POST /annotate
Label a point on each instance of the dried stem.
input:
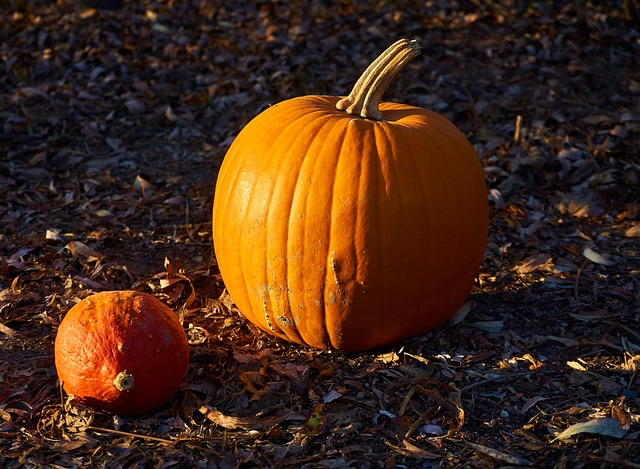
(367, 93)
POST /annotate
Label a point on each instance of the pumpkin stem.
(366, 94)
(123, 381)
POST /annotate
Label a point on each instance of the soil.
(113, 125)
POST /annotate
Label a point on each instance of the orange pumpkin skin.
(121, 351)
(338, 231)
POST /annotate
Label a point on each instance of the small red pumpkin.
(121, 351)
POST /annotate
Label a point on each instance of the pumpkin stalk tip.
(366, 94)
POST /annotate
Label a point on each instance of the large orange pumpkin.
(121, 351)
(350, 223)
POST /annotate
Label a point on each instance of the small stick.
(135, 435)
(576, 291)
(150, 438)
(496, 378)
(516, 133)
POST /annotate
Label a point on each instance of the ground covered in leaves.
(113, 125)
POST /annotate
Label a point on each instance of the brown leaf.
(88, 282)
(7, 331)
(500, 455)
(33, 92)
(79, 249)
(248, 423)
(448, 404)
(530, 403)
(633, 232)
(410, 450)
(533, 263)
(634, 86)
(619, 131)
(135, 106)
(597, 119)
(593, 256)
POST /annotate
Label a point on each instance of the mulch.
(113, 124)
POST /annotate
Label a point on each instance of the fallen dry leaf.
(248, 423)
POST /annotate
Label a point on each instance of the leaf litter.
(114, 123)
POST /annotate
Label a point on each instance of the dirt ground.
(113, 125)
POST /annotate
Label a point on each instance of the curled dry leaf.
(248, 423)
